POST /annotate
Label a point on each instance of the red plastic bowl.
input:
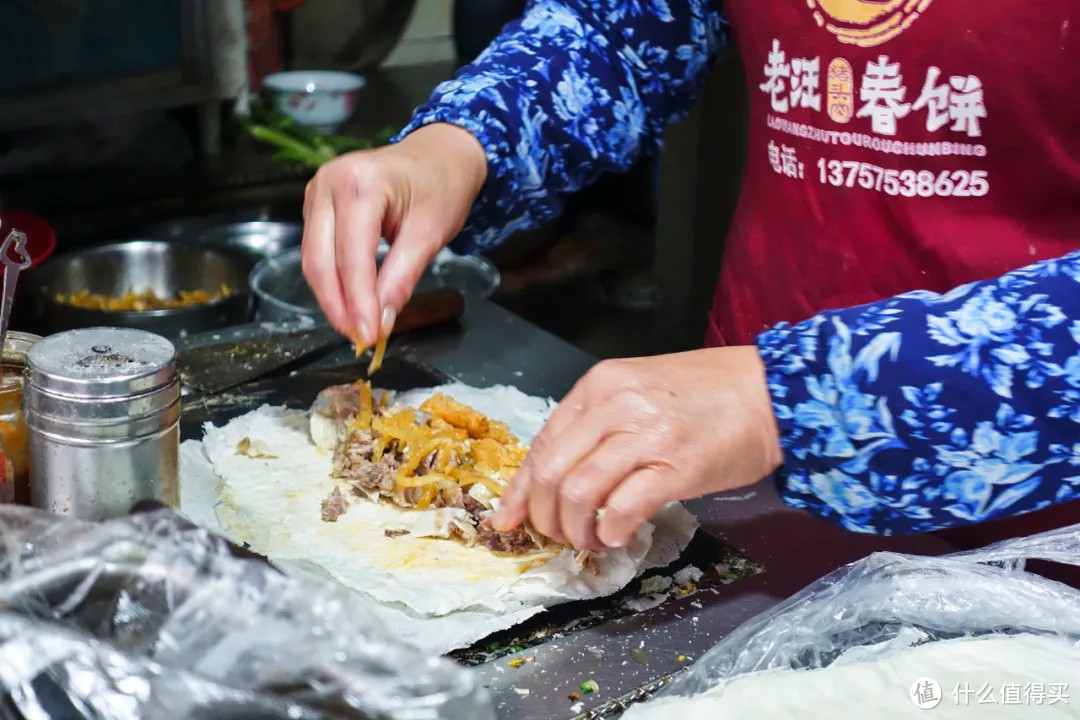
(40, 236)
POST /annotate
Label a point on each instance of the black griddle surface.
(571, 628)
(400, 371)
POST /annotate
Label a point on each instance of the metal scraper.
(215, 361)
(244, 353)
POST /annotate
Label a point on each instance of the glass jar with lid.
(14, 456)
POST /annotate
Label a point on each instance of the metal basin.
(252, 231)
(259, 240)
(161, 266)
(282, 294)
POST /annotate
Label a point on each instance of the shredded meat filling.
(334, 505)
(363, 434)
(453, 497)
(515, 542)
(473, 506)
(353, 461)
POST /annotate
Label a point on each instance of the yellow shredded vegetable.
(377, 356)
(426, 497)
(141, 301)
(465, 447)
(364, 412)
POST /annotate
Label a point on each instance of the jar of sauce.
(14, 456)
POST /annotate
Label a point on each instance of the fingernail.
(389, 315)
(613, 543)
(365, 334)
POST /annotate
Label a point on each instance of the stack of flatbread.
(1003, 677)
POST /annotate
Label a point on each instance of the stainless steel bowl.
(252, 231)
(282, 294)
(161, 266)
(260, 240)
(186, 226)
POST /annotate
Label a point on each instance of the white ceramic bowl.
(318, 99)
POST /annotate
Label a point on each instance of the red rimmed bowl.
(318, 99)
(40, 236)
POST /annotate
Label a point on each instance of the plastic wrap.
(890, 602)
(149, 617)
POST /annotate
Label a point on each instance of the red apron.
(898, 145)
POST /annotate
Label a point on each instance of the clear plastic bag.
(150, 617)
(888, 602)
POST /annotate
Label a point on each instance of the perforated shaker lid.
(101, 362)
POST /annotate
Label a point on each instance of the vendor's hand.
(633, 435)
(417, 194)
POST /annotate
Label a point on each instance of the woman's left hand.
(633, 435)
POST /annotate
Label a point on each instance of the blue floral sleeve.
(574, 89)
(926, 411)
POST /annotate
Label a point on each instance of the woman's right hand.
(417, 194)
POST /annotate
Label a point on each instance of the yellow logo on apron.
(866, 23)
(840, 91)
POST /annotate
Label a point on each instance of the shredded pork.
(334, 506)
(515, 542)
(370, 467)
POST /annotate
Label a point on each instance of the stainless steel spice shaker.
(102, 406)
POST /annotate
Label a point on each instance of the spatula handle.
(429, 308)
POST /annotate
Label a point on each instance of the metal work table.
(492, 346)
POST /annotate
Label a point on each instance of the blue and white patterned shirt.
(907, 415)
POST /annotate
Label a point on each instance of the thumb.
(514, 504)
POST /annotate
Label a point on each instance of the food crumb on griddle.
(688, 576)
(655, 584)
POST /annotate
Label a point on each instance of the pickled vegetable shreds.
(377, 355)
(132, 301)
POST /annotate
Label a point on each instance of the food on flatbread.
(254, 449)
(445, 456)
(334, 506)
(435, 592)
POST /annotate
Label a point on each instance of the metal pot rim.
(258, 277)
(242, 293)
(259, 273)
